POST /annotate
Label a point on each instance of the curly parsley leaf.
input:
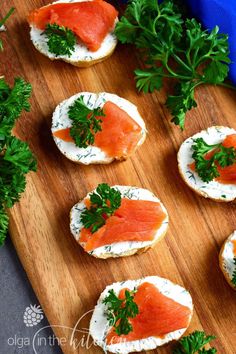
(3, 21)
(176, 49)
(16, 159)
(215, 73)
(60, 40)
(85, 122)
(12, 103)
(234, 274)
(150, 26)
(12, 183)
(3, 225)
(194, 343)
(207, 168)
(104, 202)
(120, 310)
(149, 80)
(19, 155)
(180, 103)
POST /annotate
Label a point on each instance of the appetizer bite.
(227, 260)
(118, 221)
(207, 163)
(92, 128)
(141, 314)
(76, 31)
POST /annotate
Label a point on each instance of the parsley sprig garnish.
(85, 122)
(194, 343)
(60, 40)
(3, 21)
(207, 169)
(120, 310)
(234, 274)
(16, 159)
(173, 48)
(104, 202)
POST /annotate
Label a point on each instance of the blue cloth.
(223, 14)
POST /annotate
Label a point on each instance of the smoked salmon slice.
(158, 315)
(134, 220)
(119, 136)
(91, 21)
(64, 134)
(228, 173)
(234, 246)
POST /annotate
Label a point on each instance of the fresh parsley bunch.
(207, 169)
(16, 159)
(194, 344)
(176, 49)
(60, 40)
(120, 310)
(104, 202)
(3, 21)
(85, 122)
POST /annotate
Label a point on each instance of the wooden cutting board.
(66, 280)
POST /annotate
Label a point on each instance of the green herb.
(173, 48)
(4, 220)
(234, 273)
(3, 21)
(207, 169)
(194, 343)
(104, 202)
(16, 159)
(85, 122)
(60, 40)
(120, 310)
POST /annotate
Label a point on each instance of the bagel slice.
(227, 259)
(222, 188)
(95, 41)
(163, 313)
(122, 129)
(137, 224)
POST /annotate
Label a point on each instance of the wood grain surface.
(66, 280)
